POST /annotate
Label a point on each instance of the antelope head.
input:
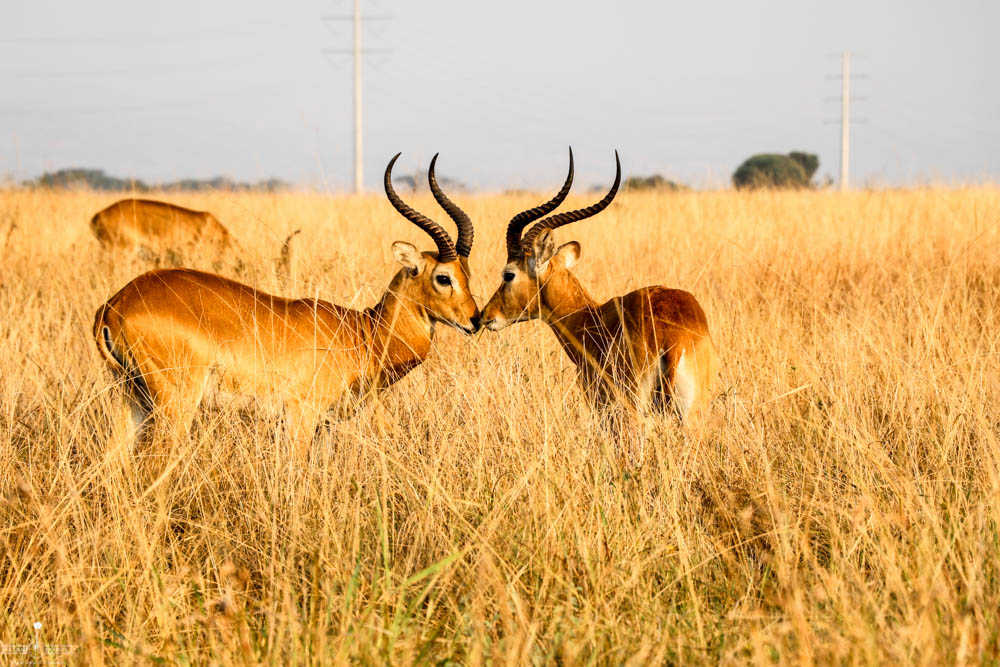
(437, 281)
(534, 261)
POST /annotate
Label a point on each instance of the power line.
(845, 120)
(845, 116)
(198, 102)
(252, 60)
(258, 29)
(357, 52)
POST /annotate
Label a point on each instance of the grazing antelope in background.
(650, 347)
(157, 228)
(170, 331)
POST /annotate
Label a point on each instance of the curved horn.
(572, 216)
(446, 249)
(525, 218)
(463, 244)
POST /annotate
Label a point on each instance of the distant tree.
(654, 182)
(225, 184)
(418, 182)
(273, 185)
(808, 161)
(769, 170)
(96, 179)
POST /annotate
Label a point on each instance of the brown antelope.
(156, 228)
(650, 347)
(170, 332)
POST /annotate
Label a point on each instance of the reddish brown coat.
(158, 226)
(647, 348)
(169, 332)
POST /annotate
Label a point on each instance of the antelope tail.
(105, 341)
(107, 335)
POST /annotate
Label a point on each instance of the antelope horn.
(572, 216)
(463, 244)
(525, 218)
(446, 249)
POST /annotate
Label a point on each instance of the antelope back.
(158, 225)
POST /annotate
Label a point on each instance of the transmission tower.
(845, 117)
(357, 52)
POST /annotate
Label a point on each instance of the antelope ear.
(570, 254)
(544, 248)
(407, 255)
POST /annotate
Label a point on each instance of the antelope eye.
(508, 276)
(442, 280)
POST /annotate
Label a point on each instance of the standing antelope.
(170, 331)
(649, 347)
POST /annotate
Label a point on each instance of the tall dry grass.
(841, 504)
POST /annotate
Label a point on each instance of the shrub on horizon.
(771, 170)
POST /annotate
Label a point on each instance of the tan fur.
(158, 227)
(626, 349)
(170, 331)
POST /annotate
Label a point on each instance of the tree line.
(97, 179)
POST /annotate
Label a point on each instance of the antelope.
(158, 225)
(650, 348)
(170, 332)
(156, 228)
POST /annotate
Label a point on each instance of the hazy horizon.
(161, 93)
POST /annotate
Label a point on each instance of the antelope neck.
(396, 317)
(571, 313)
(565, 302)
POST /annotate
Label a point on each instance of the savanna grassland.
(841, 503)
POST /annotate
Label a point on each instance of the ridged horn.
(463, 243)
(525, 218)
(446, 249)
(561, 219)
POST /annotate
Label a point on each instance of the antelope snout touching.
(443, 285)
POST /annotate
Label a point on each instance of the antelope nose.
(477, 321)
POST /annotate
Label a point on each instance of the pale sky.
(241, 88)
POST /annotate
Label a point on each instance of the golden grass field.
(840, 504)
